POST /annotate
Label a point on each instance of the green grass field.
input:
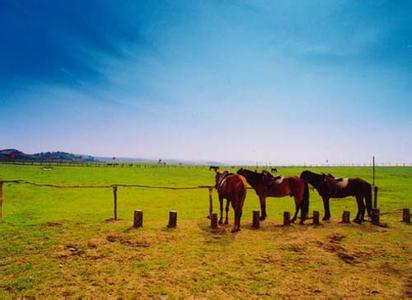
(57, 242)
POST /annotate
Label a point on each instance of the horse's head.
(241, 171)
(214, 168)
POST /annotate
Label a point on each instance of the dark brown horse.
(331, 187)
(279, 187)
(231, 187)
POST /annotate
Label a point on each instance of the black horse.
(331, 187)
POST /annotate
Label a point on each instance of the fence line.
(60, 186)
(111, 186)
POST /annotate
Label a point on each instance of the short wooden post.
(213, 220)
(286, 218)
(138, 219)
(375, 197)
(375, 216)
(115, 202)
(1, 201)
(346, 217)
(316, 217)
(256, 220)
(210, 202)
(172, 219)
(406, 216)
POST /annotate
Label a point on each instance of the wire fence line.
(61, 186)
(114, 187)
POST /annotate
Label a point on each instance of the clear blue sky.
(268, 81)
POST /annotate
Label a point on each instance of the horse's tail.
(305, 203)
(368, 200)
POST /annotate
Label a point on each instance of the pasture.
(58, 242)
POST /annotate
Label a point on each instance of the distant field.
(56, 242)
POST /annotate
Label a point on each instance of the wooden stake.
(172, 219)
(115, 202)
(406, 216)
(375, 197)
(1, 201)
(346, 217)
(213, 221)
(256, 220)
(210, 202)
(316, 217)
(286, 218)
(375, 216)
(138, 219)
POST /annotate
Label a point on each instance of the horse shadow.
(222, 235)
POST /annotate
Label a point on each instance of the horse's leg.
(221, 209)
(325, 199)
(297, 208)
(227, 211)
(359, 199)
(262, 200)
(359, 216)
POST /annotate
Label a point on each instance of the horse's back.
(235, 184)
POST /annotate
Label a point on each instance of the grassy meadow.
(59, 243)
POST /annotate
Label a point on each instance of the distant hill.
(16, 155)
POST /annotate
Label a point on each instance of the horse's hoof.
(326, 218)
(357, 221)
(235, 230)
(220, 222)
(302, 223)
(226, 222)
(262, 218)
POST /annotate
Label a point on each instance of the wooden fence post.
(316, 217)
(1, 201)
(256, 220)
(375, 216)
(115, 202)
(172, 219)
(375, 197)
(346, 217)
(138, 219)
(213, 220)
(406, 216)
(286, 218)
(210, 202)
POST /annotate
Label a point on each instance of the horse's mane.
(252, 177)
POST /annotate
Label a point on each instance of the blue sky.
(255, 81)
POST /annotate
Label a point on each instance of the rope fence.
(114, 187)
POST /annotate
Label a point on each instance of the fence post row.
(210, 202)
(213, 220)
(256, 219)
(138, 219)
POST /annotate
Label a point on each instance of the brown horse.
(279, 187)
(331, 187)
(231, 187)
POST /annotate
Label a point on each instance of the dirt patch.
(294, 247)
(333, 245)
(389, 269)
(126, 241)
(53, 224)
(408, 288)
(269, 259)
(336, 237)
